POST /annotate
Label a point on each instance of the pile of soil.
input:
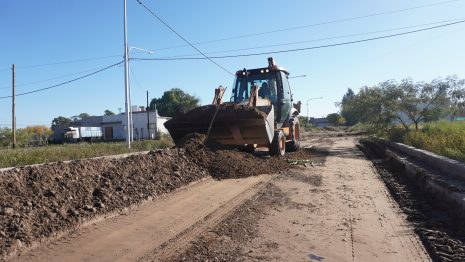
(38, 202)
(225, 162)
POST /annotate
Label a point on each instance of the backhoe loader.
(260, 113)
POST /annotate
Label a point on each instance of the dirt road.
(131, 236)
(348, 217)
(336, 209)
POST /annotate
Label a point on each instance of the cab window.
(286, 87)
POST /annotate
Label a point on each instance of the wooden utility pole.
(13, 105)
(148, 115)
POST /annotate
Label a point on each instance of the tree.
(83, 115)
(333, 118)
(36, 135)
(174, 101)
(415, 103)
(108, 112)
(406, 103)
(347, 111)
(61, 121)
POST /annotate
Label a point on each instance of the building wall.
(118, 123)
(160, 124)
(114, 126)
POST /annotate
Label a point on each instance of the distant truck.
(87, 134)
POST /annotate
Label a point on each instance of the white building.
(146, 124)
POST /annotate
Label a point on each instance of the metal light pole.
(131, 131)
(127, 90)
(126, 79)
(298, 76)
(313, 98)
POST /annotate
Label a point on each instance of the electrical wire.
(251, 48)
(246, 35)
(68, 62)
(52, 78)
(305, 48)
(319, 39)
(184, 39)
(66, 82)
(314, 24)
(135, 79)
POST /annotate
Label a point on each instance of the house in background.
(319, 122)
(146, 125)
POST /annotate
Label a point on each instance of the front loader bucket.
(233, 124)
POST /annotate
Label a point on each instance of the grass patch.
(55, 153)
(443, 138)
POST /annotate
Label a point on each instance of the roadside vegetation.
(303, 121)
(55, 153)
(443, 138)
(423, 115)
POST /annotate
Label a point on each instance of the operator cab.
(273, 85)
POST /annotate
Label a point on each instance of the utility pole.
(148, 115)
(13, 105)
(126, 79)
(313, 98)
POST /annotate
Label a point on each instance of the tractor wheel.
(278, 145)
(247, 148)
(294, 144)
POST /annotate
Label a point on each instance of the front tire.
(278, 145)
(294, 144)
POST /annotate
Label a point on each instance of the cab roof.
(272, 66)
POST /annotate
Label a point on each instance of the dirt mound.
(36, 202)
(226, 162)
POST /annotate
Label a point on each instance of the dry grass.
(443, 138)
(55, 153)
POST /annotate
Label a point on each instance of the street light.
(313, 98)
(131, 123)
(298, 76)
(126, 77)
(127, 92)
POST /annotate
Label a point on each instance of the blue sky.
(37, 33)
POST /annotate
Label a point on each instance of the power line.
(314, 24)
(184, 39)
(305, 48)
(134, 77)
(52, 78)
(318, 39)
(66, 82)
(68, 61)
(246, 35)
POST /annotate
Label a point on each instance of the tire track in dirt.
(131, 237)
(179, 243)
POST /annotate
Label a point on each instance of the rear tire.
(278, 145)
(294, 144)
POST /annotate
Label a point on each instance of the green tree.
(174, 101)
(347, 110)
(83, 115)
(108, 112)
(61, 121)
(334, 118)
(406, 103)
(415, 103)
